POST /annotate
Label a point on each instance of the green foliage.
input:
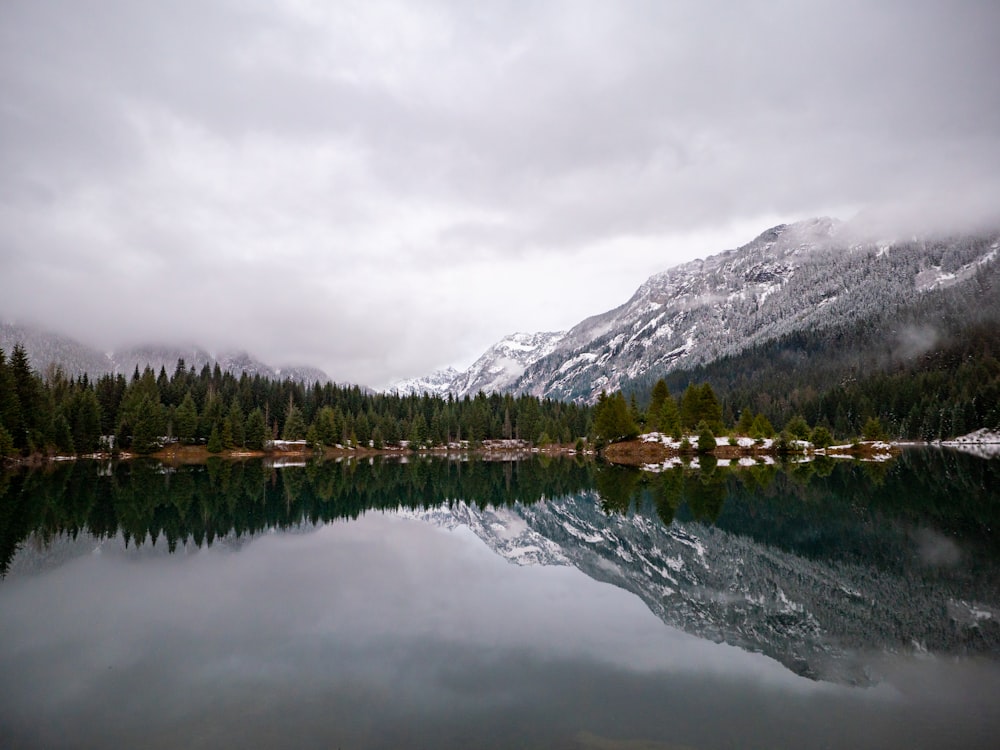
(236, 424)
(797, 428)
(147, 426)
(250, 410)
(6, 443)
(215, 441)
(186, 420)
(761, 428)
(613, 421)
(821, 437)
(295, 425)
(872, 429)
(700, 404)
(745, 423)
(706, 438)
(256, 430)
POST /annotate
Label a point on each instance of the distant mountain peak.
(802, 276)
(45, 348)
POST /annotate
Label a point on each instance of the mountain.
(871, 301)
(45, 349)
(497, 370)
(436, 384)
(810, 276)
(504, 362)
(821, 618)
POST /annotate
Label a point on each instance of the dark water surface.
(508, 604)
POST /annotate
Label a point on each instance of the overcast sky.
(381, 189)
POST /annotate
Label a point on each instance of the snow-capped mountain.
(45, 348)
(821, 619)
(812, 275)
(806, 276)
(504, 362)
(497, 370)
(436, 384)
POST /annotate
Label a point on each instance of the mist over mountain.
(46, 349)
(812, 276)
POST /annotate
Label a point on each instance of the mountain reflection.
(811, 564)
(817, 509)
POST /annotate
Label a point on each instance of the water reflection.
(816, 565)
(289, 613)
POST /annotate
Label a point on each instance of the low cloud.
(372, 171)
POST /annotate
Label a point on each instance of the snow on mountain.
(504, 362)
(437, 383)
(497, 370)
(45, 349)
(808, 275)
(817, 618)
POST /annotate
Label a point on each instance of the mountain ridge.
(46, 348)
(810, 275)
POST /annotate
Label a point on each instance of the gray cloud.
(403, 180)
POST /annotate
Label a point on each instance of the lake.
(546, 603)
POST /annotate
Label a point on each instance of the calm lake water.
(549, 604)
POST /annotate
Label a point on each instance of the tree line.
(698, 411)
(57, 414)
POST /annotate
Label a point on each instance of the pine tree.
(146, 429)
(256, 430)
(761, 428)
(657, 398)
(745, 424)
(669, 418)
(236, 423)
(86, 421)
(295, 426)
(706, 439)
(612, 419)
(214, 441)
(28, 387)
(186, 420)
(797, 428)
(10, 405)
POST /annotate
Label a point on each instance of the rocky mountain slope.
(497, 370)
(812, 275)
(805, 276)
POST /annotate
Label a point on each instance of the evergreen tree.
(873, 429)
(295, 425)
(214, 441)
(706, 439)
(761, 428)
(745, 424)
(256, 430)
(6, 443)
(821, 437)
(690, 407)
(797, 428)
(10, 406)
(146, 429)
(657, 398)
(670, 418)
(27, 432)
(236, 423)
(186, 420)
(612, 419)
(86, 421)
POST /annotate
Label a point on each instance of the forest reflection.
(149, 503)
